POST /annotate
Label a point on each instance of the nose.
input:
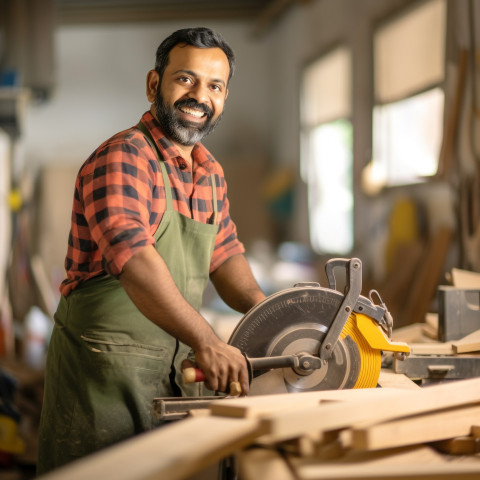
(200, 93)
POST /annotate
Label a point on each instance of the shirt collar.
(201, 156)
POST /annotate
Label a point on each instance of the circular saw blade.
(296, 321)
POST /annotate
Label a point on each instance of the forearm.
(236, 285)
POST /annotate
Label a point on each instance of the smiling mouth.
(192, 112)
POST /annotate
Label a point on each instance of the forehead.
(206, 62)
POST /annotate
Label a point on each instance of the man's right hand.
(222, 364)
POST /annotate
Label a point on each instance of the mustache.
(192, 103)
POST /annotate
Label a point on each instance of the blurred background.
(351, 129)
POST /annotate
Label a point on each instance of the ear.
(226, 94)
(153, 79)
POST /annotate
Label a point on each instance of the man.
(150, 225)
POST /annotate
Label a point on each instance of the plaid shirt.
(119, 202)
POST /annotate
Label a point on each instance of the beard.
(178, 129)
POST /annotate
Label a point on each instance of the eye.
(184, 79)
(216, 88)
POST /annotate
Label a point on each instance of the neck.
(185, 151)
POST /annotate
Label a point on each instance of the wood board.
(289, 424)
(432, 348)
(173, 452)
(429, 427)
(465, 278)
(413, 471)
(412, 463)
(389, 379)
(467, 344)
(425, 283)
(265, 405)
(264, 463)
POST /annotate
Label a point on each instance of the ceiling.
(262, 13)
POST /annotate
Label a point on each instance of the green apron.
(106, 361)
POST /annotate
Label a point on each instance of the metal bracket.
(353, 269)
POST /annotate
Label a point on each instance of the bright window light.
(330, 192)
(407, 138)
(326, 157)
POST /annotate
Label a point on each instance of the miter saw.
(313, 338)
(310, 338)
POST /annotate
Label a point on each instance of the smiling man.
(150, 226)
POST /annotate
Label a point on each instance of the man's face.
(190, 99)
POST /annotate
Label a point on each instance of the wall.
(100, 89)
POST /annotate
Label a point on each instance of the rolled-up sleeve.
(226, 243)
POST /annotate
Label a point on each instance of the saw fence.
(400, 431)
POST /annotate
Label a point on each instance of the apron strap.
(161, 161)
(213, 184)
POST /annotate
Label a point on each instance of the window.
(409, 71)
(326, 157)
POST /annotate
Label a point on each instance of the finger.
(188, 364)
(244, 381)
(235, 389)
(212, 384)
(239, 381)
(223, 383)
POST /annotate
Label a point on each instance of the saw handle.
(345, 263)
(192, 375)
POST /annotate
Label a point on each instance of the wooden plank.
(426, 280)
(406, 463)
(424, 428)
(310, 468)
(297, 421)
(465, 445)
(470, 343)
(263, 463)
(453, 115)
(431, 348)
(388, 379)
(412, 471)
(264, 405)
(430, 328)
(173, 452)
(465, 278)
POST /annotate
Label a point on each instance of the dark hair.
(199, 37)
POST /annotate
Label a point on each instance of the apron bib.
(106, 361)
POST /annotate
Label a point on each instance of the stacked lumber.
(369, 434)
(377, 433)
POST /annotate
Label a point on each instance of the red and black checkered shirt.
(119, 202)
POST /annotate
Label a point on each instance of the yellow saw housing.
(371, 341)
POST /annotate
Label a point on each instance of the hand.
(222, 364)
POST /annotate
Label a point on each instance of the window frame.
(396, 14)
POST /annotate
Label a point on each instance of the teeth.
(190, 111)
